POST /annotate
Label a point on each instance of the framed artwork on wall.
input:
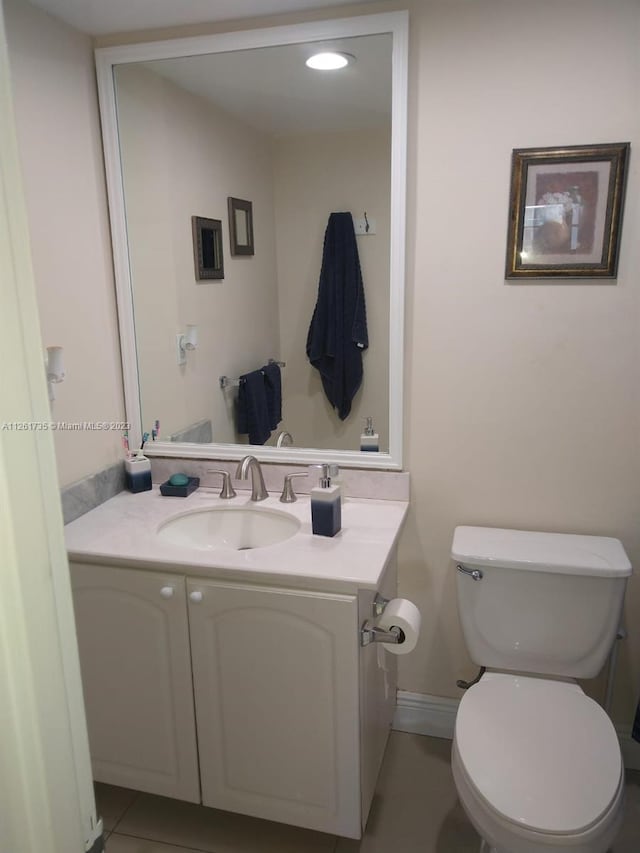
(565, 211)
(207, 248)
(240, 226)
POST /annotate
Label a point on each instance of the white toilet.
(536, 762)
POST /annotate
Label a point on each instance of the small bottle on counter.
(326, 508)
(137, 473)
(370, 440)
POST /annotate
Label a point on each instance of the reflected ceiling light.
(329, 60)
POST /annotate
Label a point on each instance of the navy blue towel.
(338, 331)
(253, 412)
(273, 388)
(635, 732)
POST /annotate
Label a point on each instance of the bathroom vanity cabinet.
(252, 698)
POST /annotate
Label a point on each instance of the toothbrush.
(125, 444)
(145, 439)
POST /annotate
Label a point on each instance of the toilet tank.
(547, 603)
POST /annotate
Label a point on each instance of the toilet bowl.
(537, 766)
(536, 762)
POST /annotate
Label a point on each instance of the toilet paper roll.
(403, 614)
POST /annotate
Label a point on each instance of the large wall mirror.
(191, 128)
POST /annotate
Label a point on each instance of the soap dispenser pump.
(326, 508)
(370, 440)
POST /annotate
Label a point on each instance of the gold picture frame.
(565, 211)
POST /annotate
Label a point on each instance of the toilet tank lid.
(565, 553)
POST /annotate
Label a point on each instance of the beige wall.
(522, 400)
(183, 158)
(59, 135)
(314, 175)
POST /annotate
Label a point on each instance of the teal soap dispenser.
(326, 506)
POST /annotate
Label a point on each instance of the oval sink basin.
(237, 528)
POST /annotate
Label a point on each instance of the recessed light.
(329, 60)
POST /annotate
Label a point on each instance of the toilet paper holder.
(372, 633)
(379, 604)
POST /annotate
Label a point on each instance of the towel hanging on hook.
(338, 331)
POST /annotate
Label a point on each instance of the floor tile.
(126, 844)
(214, 831)
(415, 810)
(415, 807)
(112, 803)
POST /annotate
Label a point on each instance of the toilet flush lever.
(476, 574)
(465, 685)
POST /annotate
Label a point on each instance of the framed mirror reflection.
(240, 226)
(207, 248)
(205, 124)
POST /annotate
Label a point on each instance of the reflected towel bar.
(225, 382)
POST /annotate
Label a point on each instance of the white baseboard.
(421, 714)
(435, 716)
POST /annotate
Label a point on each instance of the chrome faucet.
(258, 489)
(285, 439)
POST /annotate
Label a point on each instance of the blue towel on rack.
(635, 731)
(338, 331)
(253, 412)
(273, 388)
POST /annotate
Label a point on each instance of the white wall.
(183, 158)
(316, 174)
(56, 111)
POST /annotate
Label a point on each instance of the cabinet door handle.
(195, 596)
(167, 592)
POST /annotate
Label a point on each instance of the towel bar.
(226, 382)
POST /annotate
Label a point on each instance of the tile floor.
(415, 810)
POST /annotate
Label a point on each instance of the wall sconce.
(54, 367)
(188, 341)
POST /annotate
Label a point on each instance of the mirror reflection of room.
(296, 145)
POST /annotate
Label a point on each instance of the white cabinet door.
(276, 690)
(136, 673)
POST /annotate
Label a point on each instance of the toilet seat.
(538, 753)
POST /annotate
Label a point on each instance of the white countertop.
(123, 531)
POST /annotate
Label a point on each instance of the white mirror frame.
(396, 23)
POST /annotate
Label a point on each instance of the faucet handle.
(227, 491)
(288, 495)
